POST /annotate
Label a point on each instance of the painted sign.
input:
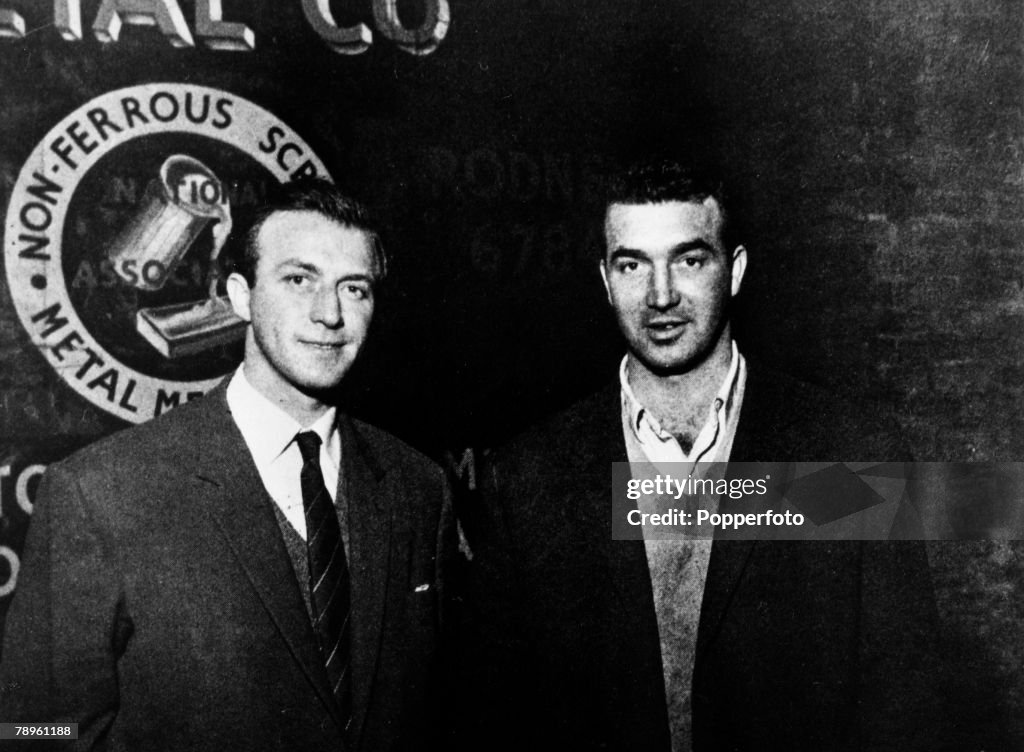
(113, 232)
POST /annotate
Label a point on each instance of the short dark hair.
(304, 194)
(662, 180)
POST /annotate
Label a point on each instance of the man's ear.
(604, 278)
(739, 268)
(238, 293)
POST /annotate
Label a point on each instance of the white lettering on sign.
(420, 41)
(164, 14)
(219, 34)
(21, 486)
(348, 41)
(12, 25)
(21, 495)
(7, 586)
(67, 17)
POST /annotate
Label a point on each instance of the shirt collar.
(267, 429)
(637, 412)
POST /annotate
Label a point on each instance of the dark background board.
(878, 150)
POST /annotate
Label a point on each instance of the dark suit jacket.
(801, 645)
(157, 606)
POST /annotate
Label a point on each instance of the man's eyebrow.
(627, 253)
(691, 245)
(358, 277)
(298, 264)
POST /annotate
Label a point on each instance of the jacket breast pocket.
(416, 580)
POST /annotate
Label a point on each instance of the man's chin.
(322, 388)
(670, 368)
(668, 364)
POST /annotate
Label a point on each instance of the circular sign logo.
(113, 233)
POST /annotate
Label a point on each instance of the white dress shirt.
(713, 443)
(270, 432)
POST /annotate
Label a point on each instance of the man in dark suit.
(581, 641)
(254, 570)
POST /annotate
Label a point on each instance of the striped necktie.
(328, 575)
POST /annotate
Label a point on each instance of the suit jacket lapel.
(232, 494)
(636, 709)
(760, 437)
(369, 520)
(627, 560)
(763, 433)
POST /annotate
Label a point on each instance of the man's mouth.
(665, 328)
(325, 346)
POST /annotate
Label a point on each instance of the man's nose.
(326, 308)
(661, 290)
